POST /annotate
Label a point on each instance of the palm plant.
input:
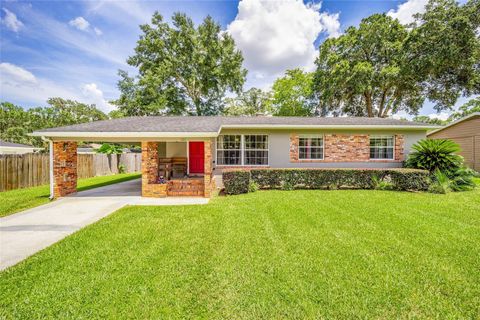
(435, 154)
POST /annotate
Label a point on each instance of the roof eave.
(81, 134)
(475, 114)
(378, 127)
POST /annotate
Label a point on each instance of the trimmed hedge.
(237, 181)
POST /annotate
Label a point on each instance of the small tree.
(435, 154)
(111, 150)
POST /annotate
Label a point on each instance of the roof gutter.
(80, 134)
(275, 126)
(108, 134)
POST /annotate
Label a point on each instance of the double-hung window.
(248, 150)
(256, 149)
(229, 150)
(382, 147)
(310, 147)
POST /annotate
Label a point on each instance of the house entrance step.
(185, 187)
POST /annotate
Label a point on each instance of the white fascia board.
(72, 134)
(352, 127)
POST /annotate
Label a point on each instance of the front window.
(256, 150)
(249, 150)
(310, 147)
(229, 150)
(381, 147)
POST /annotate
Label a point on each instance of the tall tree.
(466, 109)
(249, 103)
(360, 73)
(16, 123)
(293, 94)
(383, 67)
(182, 69)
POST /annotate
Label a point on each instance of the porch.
(170, 168)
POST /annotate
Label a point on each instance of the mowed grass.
(21, 199)
(271, 254)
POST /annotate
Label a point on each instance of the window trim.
(382, 136)
(242, 150)
(312, 136)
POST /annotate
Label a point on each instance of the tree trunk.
(368, 100)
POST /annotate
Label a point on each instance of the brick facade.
(175, 187)
(150, 172)
(64, 168)
(207, 175)
(346, 148)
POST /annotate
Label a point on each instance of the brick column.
(150, 188)
(207, 177)
(399, 147)
(64, 168)
(294, 147)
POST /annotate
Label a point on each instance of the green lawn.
(273, 254)
(21, 199)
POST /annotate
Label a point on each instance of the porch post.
(150, 160)
(207, 176)
(64, 168)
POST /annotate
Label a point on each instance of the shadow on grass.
(107, 182)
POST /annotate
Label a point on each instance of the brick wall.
(150, 172)
(207, 175)
(346, 148)
(64, 168)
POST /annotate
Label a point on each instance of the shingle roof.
(12, 144)
(213, 124)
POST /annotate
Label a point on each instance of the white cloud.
(278, 35)
(93, 94)
(19, 84)
(13, 74)
(80, 23)
(10, 20)
(98, 32)
(405, 11)
(442, 115)
(331, 23)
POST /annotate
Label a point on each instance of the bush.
(441, 183)
(239, 181)
(122, 168)
(236, 182)
(435, 154)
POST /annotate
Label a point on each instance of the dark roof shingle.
(214, 123)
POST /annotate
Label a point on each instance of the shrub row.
(238, 181)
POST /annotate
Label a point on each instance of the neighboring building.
(465, 132)
(16, 148)
(204, 146)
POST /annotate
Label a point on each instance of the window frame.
(311, 136)
(243, 150)
(381, 147)
(240, 150)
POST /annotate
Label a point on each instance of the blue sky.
(73, 49)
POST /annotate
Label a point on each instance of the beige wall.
(467, 135)
(279, 147)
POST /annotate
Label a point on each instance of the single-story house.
(465, 132)
(16, 148)
(182, 155)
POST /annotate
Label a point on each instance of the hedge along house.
(181, 155)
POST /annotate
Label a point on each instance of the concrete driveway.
(27, 232)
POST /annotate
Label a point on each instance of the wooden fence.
(32, 169)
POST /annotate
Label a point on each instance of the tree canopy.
(16, 123)
(466, 109)
(293, 94)
(183, 69)
(382, 67)
(249, 103)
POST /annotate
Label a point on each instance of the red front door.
(196, 153)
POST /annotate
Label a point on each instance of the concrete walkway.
(27, 232)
